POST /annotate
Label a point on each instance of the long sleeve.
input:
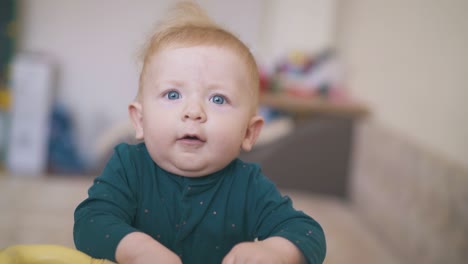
(193, 217)
(275, 216)
(105, 217)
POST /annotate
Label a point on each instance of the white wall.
(304, 25)
(409, 61)
(95, 43)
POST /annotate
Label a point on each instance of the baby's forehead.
(194, 49)
(206, 58)
(249, 76)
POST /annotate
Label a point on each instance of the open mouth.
(192, 138)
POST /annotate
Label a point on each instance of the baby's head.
(189, 26)
(198, 94)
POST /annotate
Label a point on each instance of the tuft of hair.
(187, 25)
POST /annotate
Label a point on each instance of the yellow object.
(46, 254)
(5, 99)
(297, 58)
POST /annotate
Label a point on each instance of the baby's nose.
(194, 112)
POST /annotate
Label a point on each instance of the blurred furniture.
(414, 201)
(390, 201)
(306, 107)
(315, 157)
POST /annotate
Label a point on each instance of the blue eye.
(173, 95)
(218, 99)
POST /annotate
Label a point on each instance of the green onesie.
(200, 219)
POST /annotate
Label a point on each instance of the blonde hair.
(188, 25)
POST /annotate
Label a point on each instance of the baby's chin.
(192, 165)
(192, 171)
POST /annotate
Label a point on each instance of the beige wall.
(409, 61)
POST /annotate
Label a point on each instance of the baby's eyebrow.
(228, 90)
(174, 82)
(163, 83)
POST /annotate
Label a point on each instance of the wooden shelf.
(310, 106)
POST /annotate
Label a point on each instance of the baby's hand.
(274, 250)
(139, 248)
(252, 252)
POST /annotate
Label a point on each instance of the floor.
(39, 210)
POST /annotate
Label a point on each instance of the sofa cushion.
(416, 201)
(348, 238)
(39, 210)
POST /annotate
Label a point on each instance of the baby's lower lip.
(191, 141)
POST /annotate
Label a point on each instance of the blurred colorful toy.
(305, 75)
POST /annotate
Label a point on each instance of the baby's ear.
(253, 130)
(136, 115)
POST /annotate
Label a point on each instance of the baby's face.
(196, 108)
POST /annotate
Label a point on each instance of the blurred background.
(365, 102)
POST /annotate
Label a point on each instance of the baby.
(182, 196)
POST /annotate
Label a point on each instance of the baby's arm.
(103, 222)
(271, 250)
(280, 227)
(139, 248)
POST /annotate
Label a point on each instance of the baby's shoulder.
(249, 171)
(131, 151)
(240, 166)
(131, 156)
(130, 148)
